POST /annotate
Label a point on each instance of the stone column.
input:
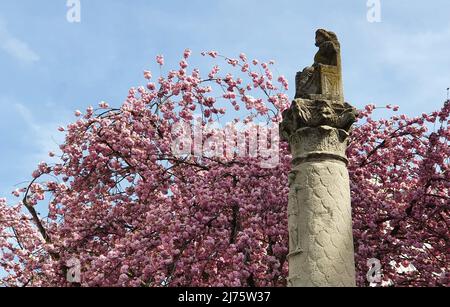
(317, 128)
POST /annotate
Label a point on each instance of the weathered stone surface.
(322, 79)
(321, 143)
(315, 113)
(320, 227)
(317, 127)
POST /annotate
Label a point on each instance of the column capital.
(307, 113)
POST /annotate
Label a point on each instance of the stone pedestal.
(317, 127)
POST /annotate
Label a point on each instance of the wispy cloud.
(15, 47)
(25, 140)
(44, 136)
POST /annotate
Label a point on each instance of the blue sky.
(50, 67)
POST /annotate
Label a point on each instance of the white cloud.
(15, 47)
(45, 135)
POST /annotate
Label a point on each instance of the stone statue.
(317, 127)
(319, 98)
(323, 77)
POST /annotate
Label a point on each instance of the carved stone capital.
(305, 113)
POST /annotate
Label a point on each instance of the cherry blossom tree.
(134, 213)
(400, 194)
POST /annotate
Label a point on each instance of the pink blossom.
(282, 79)
(187, 53)
(160, 59)
(233, 62)
(183, 64)
(103, 105)
(147, 74)
(243, 57)
(213, 54)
